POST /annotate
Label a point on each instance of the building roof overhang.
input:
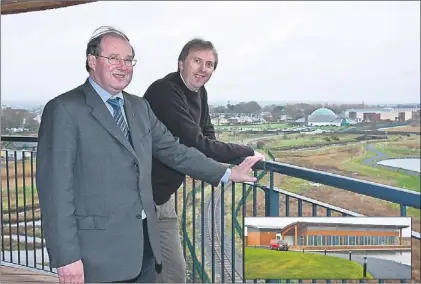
(338, 225)
(341, 225)
(9, 7)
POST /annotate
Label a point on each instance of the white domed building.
(324, 117)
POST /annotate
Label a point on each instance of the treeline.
(291, 110)
(18, 118)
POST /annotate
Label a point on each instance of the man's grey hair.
(94, 43)
(198, 44)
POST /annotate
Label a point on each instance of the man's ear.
(91, 61)
(180, 65)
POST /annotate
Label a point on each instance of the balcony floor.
(17, 275)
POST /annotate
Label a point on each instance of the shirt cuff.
(226, 176)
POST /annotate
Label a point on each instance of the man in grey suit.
(94, 158)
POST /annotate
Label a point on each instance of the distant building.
(389, 113)
(242, 120)
(219, 121)
(325, 117)
(311, 235)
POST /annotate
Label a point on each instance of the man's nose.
(202, 66)
(122, 64)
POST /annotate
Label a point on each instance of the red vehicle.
(278, 245)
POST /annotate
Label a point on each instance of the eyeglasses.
(115, 60)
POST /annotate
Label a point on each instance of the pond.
(412, 164)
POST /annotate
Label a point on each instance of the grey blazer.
(92, 183)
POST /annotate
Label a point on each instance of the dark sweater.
(186, 115)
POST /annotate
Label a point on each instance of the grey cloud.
(268, 51)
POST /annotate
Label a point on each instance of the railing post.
(271, 206)
(202, 229)
(184, 220)
(213, 233)
(403, 210)
(243, 231)
(255, 196)
(271, 199)
(193, 252)
(233, 268)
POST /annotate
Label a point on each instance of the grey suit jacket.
(92, 183)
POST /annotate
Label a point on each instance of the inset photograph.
(328, 248)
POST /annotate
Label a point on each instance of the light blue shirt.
(104, 95)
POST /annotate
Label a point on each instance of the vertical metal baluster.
(286, 205)
(2, 222)
(271, 205)
(8, 206)
(403, 210)
(233, 233)
(222, 232)
(194, 228)
(24, 209)
(328, 212)
(42, 247)
(300, 208)
(202, 235)
(33, 208)
(244, 225)
(176, 202)
(255, 196)
(314, 213)
(213, 232)
(17, 204)
(184, 222)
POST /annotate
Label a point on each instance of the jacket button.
(139, 216)
(136, 165)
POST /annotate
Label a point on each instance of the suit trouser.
(173, 263)
(147, 273)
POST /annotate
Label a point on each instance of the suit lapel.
(103, 116)
(133, 123)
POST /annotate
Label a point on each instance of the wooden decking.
(16, 275)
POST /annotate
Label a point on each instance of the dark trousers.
(147, 273)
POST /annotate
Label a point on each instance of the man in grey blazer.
(94, 158)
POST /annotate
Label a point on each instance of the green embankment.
(268, 264)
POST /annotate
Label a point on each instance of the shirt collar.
(182, 79)
(103, 94)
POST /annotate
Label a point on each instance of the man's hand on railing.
(260, 155)
(71, 273)
(241, 172)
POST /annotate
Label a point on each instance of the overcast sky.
(284, 221)
(269, 51)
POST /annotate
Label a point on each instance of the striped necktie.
(118, 116)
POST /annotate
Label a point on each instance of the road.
(382, 268)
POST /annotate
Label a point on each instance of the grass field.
(284, 142)
(268, 264)
(347, 160)
(254, 126)
(409, 128)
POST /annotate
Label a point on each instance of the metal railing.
(211, 218)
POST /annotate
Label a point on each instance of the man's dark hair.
(94, 44)
(200, 44)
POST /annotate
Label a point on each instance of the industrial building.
(377, 114)
(311, 235)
